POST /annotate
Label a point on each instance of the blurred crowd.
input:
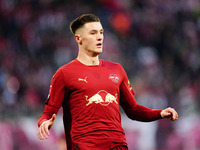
(157, 43)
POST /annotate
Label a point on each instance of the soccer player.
(90, 91)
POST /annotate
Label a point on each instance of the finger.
(46, 129)
(43, 131)
(51, 121)
(175, 116)
(168, 115)
(40, 136)
(171, 112)
(53, 118)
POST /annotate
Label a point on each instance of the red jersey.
(90, 97)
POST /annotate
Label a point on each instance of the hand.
(169, 113)
(43, 130)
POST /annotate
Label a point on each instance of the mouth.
(99, 45)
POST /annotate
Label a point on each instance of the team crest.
(114, 78)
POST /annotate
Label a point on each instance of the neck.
(88, 60)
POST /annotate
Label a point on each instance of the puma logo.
(84, 80)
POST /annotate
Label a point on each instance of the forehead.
(92, 26)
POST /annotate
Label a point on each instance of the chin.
(95, 52)
(98, 51)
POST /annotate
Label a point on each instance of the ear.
(78, 39)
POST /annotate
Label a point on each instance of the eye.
(92, 32)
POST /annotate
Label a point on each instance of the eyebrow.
(96, 30)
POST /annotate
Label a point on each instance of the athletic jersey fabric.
(90, 97)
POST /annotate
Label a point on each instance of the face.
(90, 38)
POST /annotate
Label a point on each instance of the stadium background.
(157, 42)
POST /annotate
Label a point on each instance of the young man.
(90, 91)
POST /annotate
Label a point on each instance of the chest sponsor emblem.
(102, 97)
(114, 78)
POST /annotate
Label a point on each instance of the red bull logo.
(102, 97)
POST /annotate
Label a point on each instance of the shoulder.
(113, 66)
(73, 63)
(110, 64)
(69, 67)
(65, 68)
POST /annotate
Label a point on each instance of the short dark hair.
(81, 20)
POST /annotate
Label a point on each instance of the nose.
(99, 37)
